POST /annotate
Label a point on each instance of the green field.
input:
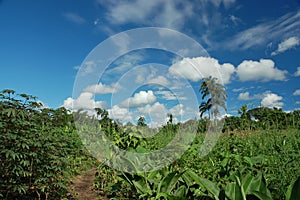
(41, 151)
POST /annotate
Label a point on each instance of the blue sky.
(49, 49)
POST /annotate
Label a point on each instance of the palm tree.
(170, 121)
(205, 106)
(141, 121)
(216, 91)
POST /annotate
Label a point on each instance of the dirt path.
(82, 186)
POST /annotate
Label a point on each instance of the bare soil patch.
(82, 187)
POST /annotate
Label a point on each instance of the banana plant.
(293, 192)
(157, 184)
(248, 185)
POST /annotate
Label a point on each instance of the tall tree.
(170, 121)
(245, 117)
(141, 121)
(204, 107)
(216, 92)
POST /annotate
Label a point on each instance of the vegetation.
(256, 157)
(39, 149)
(217, 97)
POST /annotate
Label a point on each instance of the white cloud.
(121, 12)
(161, 80)
(149, 74)
(177, 110)
(75, 18)
(122, 42)
(235, 20)
(140, 99)
(286, 45)
(244, 96)
(167, 95)
(297, 102)
(195, 69)
(271, 100)
(297, 92)
(238, 89)
(119, 113)
(171, 16)
(218, 3)
(125, 63)
(156, 13)
(263, 70)
(103, 89)
(266, 32)
(86, 68)
(157, 113)
(297, 73)
(84, 101)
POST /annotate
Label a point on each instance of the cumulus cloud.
(268, 99)
(177, 110)
(157, 113)
(119, 113)
(140, 99)
(74, 17)
(263, 70)
(244, 96)
(271, 100)
(297, 92)
(84, 101)
(286, 45)
(195, 69)
(103, 89)
(152, 74)
(297, 73)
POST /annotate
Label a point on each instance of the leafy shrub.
(38, 148)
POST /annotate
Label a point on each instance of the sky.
(147, 58)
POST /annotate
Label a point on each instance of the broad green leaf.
(142, 187)
(259, 185)
(261, 196)
(211, 187)
(293, 192)
(181, 191)
(168, 183)
(247, 182)
(233, 191)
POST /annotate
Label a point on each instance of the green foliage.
(293, 192)
(255, 158)
(217, 96)
(246, 163)
(248, 185)
(243, 165)
(141, 121)
(262, 119)
(39, 150)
